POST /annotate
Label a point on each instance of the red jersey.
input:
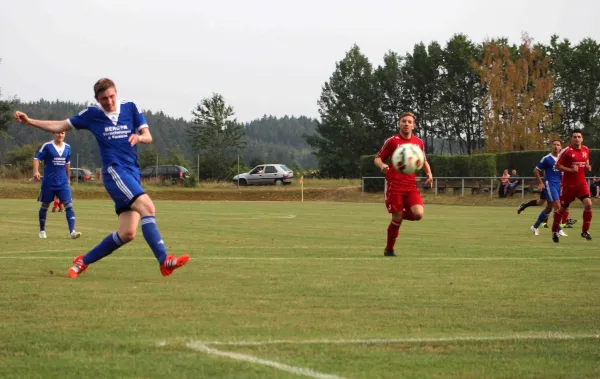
(569, 157)
(397, 181)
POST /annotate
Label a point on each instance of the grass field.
(286, 290)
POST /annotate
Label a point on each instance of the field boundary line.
(201, 347)
(547, 336)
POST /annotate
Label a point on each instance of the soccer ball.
(408, 158)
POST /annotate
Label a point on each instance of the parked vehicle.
(164, 172)
(277, 174)
(81, 175)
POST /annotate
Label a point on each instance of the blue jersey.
(551, 174)
(112, 131)
(55, 159)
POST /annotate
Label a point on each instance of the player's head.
(514, 172)
(407, 124)
(556, 146)
(59, 137)
(105, 93)
(576, 137)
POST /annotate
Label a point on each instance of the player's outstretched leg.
(70, 215)
(524, 206)
(168, 263)
(42, 216)
(111, 243)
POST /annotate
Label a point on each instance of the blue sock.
(43, 213)
(541, 219)
(111, 243)
(70, 213)
(153, 238)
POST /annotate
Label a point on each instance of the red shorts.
(569, 193)
(397, 201)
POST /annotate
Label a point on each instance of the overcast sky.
(264, 57)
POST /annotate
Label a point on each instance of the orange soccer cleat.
(172, 262)
(78, 267)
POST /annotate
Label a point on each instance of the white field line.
(25, 256)
(546, 336)
(199, 346)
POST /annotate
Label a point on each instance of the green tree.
(421, 73)
(175, 157)
(217, 135)
(351, 123)
(22, 156)
(458, 110)
(147, 156)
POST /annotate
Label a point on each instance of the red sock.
(392, 234)
(56, 203)
(587, 220)
(556, 221)
(565, 217)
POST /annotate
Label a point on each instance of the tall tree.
(515, 108)
(216, 134)
(420, 75)
(459, 108)
(351, 121)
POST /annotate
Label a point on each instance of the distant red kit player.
(573, 161)
(402, 197)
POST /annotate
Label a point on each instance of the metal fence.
(492, 183)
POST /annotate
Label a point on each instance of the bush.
(190, 182)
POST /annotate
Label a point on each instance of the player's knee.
(418, 216)
(127, 235)
(68, 205)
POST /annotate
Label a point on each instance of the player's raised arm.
(143, 137)
(46, 125)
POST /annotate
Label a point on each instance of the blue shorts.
(47, 194)
(123, 185)
(551, 192)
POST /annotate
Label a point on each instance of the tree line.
(468, 97)
(268, 139)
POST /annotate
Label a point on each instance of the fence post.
(436, 188)
(522, 188)
(362, 185)
(491, 188)
(463, 186)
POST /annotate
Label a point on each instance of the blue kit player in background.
(549, 186)
(118, 126)
(56, 157)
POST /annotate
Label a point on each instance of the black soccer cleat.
(586, 235)
(570, 221)
(555, 237)
(521, 208)
(546, 226)
(389, 253)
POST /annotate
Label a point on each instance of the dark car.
(80, 175)
(172, 172)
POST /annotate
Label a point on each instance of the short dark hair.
(102, 85)
(576, 131)
(555, 140)
(408, 114)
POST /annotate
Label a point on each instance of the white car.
(277, 174)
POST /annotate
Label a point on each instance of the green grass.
(472, 295)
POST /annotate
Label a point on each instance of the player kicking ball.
(573, 161)
(402, 197)
(118, 127)
(56, 156)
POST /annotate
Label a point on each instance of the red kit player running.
(402, 198)
(573, 161)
